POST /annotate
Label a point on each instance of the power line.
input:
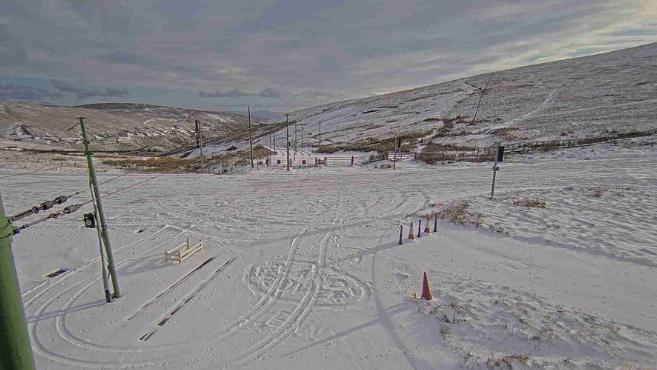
(28, 173)
(101, 183)
(51, 203)
(72, 208)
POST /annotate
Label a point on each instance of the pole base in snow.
(108, 296)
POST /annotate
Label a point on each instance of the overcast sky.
(281, 55)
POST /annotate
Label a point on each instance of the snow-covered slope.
(582, 97)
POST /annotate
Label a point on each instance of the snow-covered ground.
(305, 268)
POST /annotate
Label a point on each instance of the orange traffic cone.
(426, 291)
(427, 229)
(411, 236)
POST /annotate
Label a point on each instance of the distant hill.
(266, 115)
(113, 126)
(581, 97)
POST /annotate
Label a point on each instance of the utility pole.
(481, 96)
(103, 269)
(320, 134)
(295, 140)
(250, 135)
(199, 143)
(99, 209)
(287, 138)
(15, 340)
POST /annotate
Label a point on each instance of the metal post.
(394, 160)
(199, 142)
(103, 269)
(99, 209)
(250, 135)
(495, 169)
(295, 141)
(15, 340)
(287, 139)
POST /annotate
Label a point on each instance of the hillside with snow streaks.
(574, 98)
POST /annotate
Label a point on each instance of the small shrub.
(457, 212)
(506, 361)
(597, 192)
(444, 331)
(529, 202)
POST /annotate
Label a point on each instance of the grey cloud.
(127, 58)
(269, 93)
(86, 93)
(16, 92)
(297, 52)
(12, 52)
(235, 93)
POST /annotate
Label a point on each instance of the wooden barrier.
(182, 251)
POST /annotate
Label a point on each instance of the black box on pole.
(500, 154)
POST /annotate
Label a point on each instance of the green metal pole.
(14, 338)
(99, 209)
(103, 269)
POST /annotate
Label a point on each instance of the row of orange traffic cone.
(427, 229)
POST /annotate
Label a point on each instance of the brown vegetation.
(532, 201)
(176, 165)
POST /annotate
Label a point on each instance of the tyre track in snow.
(36, 294)
(64, 332)
(300, 312)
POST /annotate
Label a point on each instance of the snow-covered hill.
(581, 97)
(112, 125)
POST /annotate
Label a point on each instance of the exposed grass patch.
(457, 212)
(508, 133)
(531, 201)
(377, 145)
(434, 152)
(177, 165)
